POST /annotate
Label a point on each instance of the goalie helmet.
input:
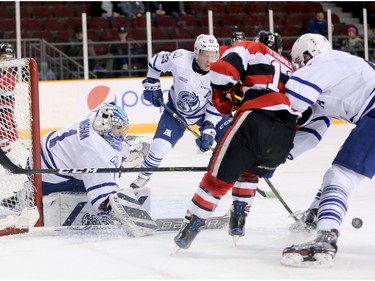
(112, 123)
(205, 42)
(308, 46)
(271, 40)
(6, 51)
(238, 36)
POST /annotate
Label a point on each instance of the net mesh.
(16, 191)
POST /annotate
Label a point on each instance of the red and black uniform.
(250, 80)
(8, 131)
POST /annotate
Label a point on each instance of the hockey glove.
(152, 92)
(223, 101)
(207, 137)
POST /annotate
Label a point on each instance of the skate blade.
(320, 260)
(175, 250)
(235, 239)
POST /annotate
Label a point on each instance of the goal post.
(20, 195)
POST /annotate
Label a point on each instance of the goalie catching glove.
(208, 133)
(152, 92)
(137, 149)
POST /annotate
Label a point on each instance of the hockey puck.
(357, 223)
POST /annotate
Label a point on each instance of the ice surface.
(212, 254)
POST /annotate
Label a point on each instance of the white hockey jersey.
(336, 85)
(191, 91)
(79, 146)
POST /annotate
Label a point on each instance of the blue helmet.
(112, 123)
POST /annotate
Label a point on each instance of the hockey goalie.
(100, 140)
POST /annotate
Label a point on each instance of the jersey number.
(274, 85)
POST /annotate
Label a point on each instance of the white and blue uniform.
(80, 146)
(337, 85)
(191, 90)
(189, 97)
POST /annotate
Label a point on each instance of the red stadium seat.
(121, 21)
(165, 21)
(29, 24)
(109, 35)
(199, 30)
(4, 14)
(94, 35)
(277, 7)
(203, 21)
(25, 12)
(181, 33)
(53, 24)
(252, 20)
(139, 22)
(293, 19)
(7, 24)
(64, 35)
(296, 7)
(187, 21)
(46, 35)
(63, 12)
(72, 23)
(101, 49)
(198, 7)
(277, 20)
(236, 8)
(216, 7)
(41, 12)
(83, 9)
(312, 7)
(231, 20)
(256, 8)
(98, 23)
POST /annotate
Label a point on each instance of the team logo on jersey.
(177, 54)
(167, 133)
(187, 102)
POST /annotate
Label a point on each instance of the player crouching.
(98, 141)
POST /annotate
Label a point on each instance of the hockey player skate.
(317, 253)
(139, 183)
(187, 233)
(237, 220)
(305, 221)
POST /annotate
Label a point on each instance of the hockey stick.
(277, 194)
(165, 224)
(13, 168)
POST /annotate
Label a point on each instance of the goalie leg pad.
(131, 213)
(143, 196)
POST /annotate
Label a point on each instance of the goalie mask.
(112, 123)
(271, 40)
(6, 51)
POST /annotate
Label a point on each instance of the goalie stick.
(13, 168)
(164, 224)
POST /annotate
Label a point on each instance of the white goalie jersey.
(80, 146)
(191, 91)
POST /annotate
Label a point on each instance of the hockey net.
(20, 195)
